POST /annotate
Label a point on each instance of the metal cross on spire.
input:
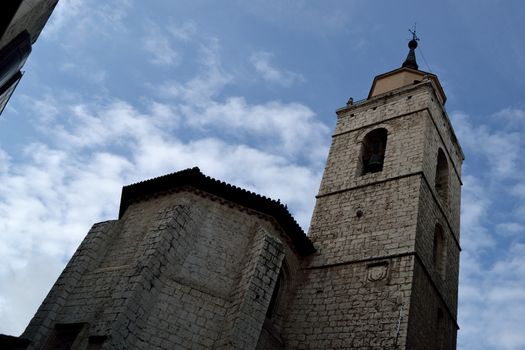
(410, 61)
(413, 32)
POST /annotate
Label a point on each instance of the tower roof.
(410, 61)
(405, 75)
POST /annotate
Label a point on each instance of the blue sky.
(117, 92)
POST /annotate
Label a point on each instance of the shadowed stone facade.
(21, 22)
(194, 263)
(181, 268)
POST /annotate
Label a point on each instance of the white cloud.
(492, 288)
(512, 117)
(206, 85)
(501, 149)
(159, 41)
(492, 309)
(261, 62)
(316, 18)
(82, 19)
(476, 237)
(99, 125)
(289, 128)
(24, 286)
(47, 204)
(81, 31)
(510, 228)
(183, 32)
(86, 71)
(63, 13)
(160, 48)
(4, 161)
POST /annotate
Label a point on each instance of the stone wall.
(375, 266)
(86, 258)
(434, 141)
(431, 326)
(366, 222)
(361, 305)
(184, 270)
(430, 215)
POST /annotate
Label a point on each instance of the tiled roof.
(193, 177)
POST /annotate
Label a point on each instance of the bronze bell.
(375, 163)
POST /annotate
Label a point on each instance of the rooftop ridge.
(195, 178)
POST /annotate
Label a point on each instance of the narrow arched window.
(278, 291)
(441, 181)
(439, 252)
(373, 151)
(275, 296)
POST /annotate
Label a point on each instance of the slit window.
(274, 301)
(439, 252)
(441, 181)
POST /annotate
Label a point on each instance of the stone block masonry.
(375, 281)
(176, 271)
(359, 305)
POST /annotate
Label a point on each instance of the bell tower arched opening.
(373, 151)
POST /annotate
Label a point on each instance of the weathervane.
(413, 32)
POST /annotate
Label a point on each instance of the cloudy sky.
(119, 91)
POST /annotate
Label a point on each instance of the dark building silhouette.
(21, 22)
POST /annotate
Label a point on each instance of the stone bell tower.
(386, 224)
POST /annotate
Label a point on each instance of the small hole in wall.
(409, 97)
(359, 213)
(352, 114)
(374, 108)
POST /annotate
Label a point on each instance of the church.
(195, 263)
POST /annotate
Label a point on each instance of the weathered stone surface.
(187, 269)
(373, 282)
(177, 271)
